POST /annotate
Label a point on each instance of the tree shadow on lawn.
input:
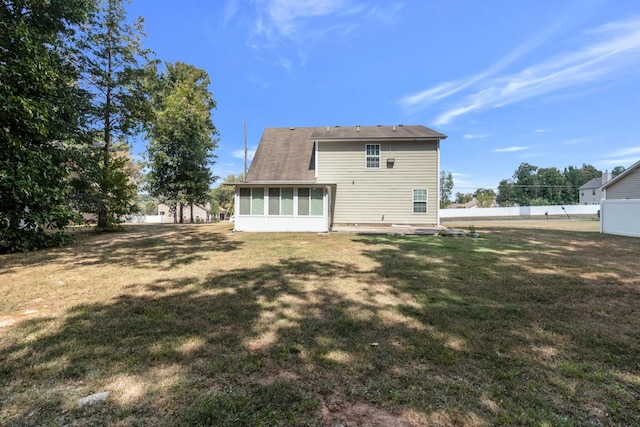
(430, 336)
(157, 247)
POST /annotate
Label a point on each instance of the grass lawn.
(534, 323)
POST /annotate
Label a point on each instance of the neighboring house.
(624, 186)
(469, 205)
(590, 192)
(312, 178)
(620, 207)
(200, 213)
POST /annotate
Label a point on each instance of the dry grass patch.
(194, 325)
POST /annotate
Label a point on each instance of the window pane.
(372, 156)
(420, 200)
(303, 201)
(286, 201)
(274, 201)
(257, 201)
(245, 201)
(316, 201)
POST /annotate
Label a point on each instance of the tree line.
(529, 186)
(76, 87)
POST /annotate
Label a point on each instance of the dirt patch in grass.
(195, 325)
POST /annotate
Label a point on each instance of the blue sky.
(550, 83)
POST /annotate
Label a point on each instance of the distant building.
(590, 192)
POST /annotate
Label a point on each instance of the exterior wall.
(621, 217)
(384, 195)
(627, 188)
(199, 213)
(283, 223)
(587, 196)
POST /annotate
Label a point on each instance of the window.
(420, 200)
(310, 201)
(251, 201)
(373, 156)
(274, 201)
(593, 192)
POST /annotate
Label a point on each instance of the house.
(620, 207)
(471, 204)
(200, 213)
(312, 178)
(624, 186)
(590, 192)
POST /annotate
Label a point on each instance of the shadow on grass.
(441, 331)
(157, 247)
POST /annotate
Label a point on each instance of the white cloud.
(625, 152)
(284, 21)
(606, 52)
(474, 136)
(230, 9)
(510, 149)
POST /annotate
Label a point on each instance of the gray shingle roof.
(376, 132)
(593, 183)
(286, 154)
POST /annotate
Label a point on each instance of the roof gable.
(626, 172)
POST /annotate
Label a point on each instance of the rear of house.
(309, 179)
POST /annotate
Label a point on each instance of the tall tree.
(40, 111)
(552, 186)
(183, 137)
(446, 188)
(617, 171)
(115, 68)
(505, 197)
(526, 186)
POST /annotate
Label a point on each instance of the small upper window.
(373, 156)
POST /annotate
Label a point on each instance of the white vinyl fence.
(621, 217)
(520, 211)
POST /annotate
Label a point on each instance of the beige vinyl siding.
(627, 188)
(383, 195)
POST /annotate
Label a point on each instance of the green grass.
(193, 325)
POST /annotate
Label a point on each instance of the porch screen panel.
(274, 201)
(245, 201)
(303, 201)
(286, 201)
(316, 201)
(257, 201)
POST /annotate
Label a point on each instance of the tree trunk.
(181, 219)
(191, 212)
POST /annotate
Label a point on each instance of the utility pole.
(244, 176)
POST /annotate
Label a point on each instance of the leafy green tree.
(552, 185)
(617, 171)
(525, 184)
(485, 197)
(183, 137)
(224, 195)
(505, 197)
(114, 72)
(446, 187)
(41, 109)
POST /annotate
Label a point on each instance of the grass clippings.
(194, 325)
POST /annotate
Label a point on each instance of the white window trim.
(413, 201)
(366, 156)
